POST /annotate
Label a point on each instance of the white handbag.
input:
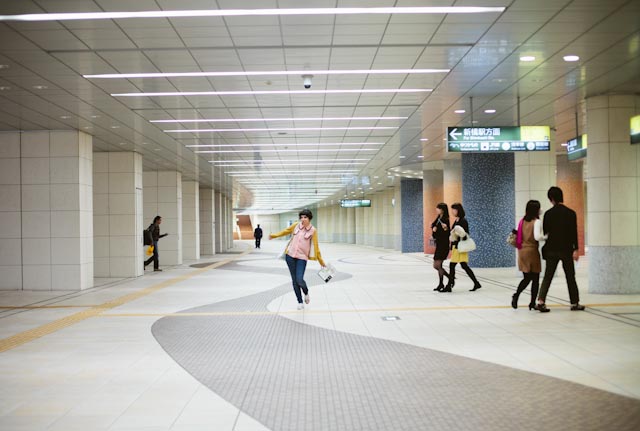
(466, 245)
(327, 273)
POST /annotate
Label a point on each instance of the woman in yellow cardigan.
(298, 252)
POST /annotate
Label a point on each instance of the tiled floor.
(109, 372)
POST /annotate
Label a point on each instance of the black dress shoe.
(542, 308)
(476, 287)
(577, 307)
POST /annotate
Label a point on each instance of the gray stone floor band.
(292, 376)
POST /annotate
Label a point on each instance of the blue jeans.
(297, 268)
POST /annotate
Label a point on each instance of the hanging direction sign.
(498, 139)
(355, 203)
(635, 129)
(577, 147)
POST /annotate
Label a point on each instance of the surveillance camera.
(306, 81)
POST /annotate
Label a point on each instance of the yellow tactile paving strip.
(363, 310)
(49, 328)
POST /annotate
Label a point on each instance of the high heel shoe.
(447, 288)
(514, 301)
(439, 288)
(532, 306)
(475, 287)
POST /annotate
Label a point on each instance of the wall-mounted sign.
(577, 147)
(498, 139)
(635, 129)
(355, 203)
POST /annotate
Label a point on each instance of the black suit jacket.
(561, 226)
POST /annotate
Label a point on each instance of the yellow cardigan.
(316, 250)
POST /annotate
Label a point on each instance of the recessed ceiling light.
(345, 144)
(292, 129)
(421, 157)
(498, 80)
(564, 144)
(65, 117)
(570, 58)
(115, 127)
(95, 116)
(527, 58)
(4, 66)
(274, 92)
(402, 157)
(333, 150)
(5, 88)
(424, 139)
(40, 87)
(459, 111)
(249, 12)
(489, 111)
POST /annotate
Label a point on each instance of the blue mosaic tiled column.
(488, 198)
(411, 216)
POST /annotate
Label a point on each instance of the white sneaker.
(307, 299)
(300, 306)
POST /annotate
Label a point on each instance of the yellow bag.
(149, 250)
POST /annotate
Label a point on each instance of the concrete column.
(231, 215)
(117, 214)
(163, 197)
(397, 217)
(535, 172)
(359, 226)
(350, 223)
(57, 210)
(452, 181)
(570, 179)
(207, 219)
(613, 195)
(342, 224)
(379, 221)
(190, 220)
(219, 223)
(11, 213)
(412, 230)
(488, 197)
(388, 220)
(433, 194)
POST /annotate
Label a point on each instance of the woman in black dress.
(440, 232)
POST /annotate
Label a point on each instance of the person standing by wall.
(257, 234)
(459, 230)
(440, 232)
(561, 228)
(154, 228)
(529, 233)
(298, 252)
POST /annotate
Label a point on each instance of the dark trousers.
(258, 242)
(155, 258)
(569, 272)
(534, 279)
(297, 268)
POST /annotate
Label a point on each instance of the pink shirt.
(300, 245)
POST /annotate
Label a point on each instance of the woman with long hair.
(440, 233)
(459, 230)
(527, 240)
(298, 252)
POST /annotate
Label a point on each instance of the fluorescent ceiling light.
(248, 120)
(459, 111)
(570, 58)
(489, 111)
(275, 161)
(297, 164)
(281, 151)
(248, 12)
(527, 58)
(424, 139)
(278, 129)
(266, 73)
(346, 144)
(273, 92)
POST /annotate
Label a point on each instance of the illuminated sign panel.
(577, 147)
(355, 203)
(498, 139)
(635, 129)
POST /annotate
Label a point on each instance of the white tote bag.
(466, 245)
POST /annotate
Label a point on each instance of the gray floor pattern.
(292, 376)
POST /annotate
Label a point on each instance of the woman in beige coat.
(529, 233)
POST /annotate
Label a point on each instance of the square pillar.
(163, 197)
(117, 215)
(190, 220)
(207, 220)
(219, 223)
(10, 213)
(57, 210)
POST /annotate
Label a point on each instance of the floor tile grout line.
(51, 327)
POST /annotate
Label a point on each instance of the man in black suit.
(561, 228)
(257, 234)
